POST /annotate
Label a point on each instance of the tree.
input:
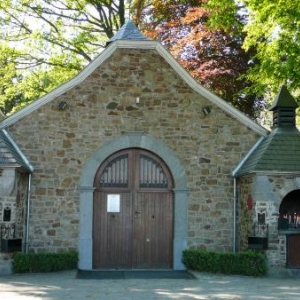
(20, 86)
(213, 56)
(50, 41)
(273, 31)
(80, 27)
(8, 74)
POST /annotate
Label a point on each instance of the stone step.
(284, 273)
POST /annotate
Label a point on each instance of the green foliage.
(44, 262)
(49, 42)
(242, 263)
(206, 39)
(227, 12)
(272, 30)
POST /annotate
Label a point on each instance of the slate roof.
(284, 99)
(279, 152)
(10, 154)
(128, 32)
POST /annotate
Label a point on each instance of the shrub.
(241, 263)
(44, 262)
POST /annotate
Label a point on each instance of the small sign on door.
(113, 203)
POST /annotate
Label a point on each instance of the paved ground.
(64, 286)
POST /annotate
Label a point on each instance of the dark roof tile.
(284, 99)
(279, 152)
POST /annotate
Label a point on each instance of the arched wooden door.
(133, 212)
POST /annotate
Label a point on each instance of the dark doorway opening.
(289, 222)
(289, 211)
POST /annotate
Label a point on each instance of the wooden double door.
(293, 255)
(133, 212)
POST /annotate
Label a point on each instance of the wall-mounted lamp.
(206, 110)
(62, 105)
(137, 100)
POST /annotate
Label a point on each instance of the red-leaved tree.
(214, 57)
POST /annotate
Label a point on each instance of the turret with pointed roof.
(284, 109)
(279, 152)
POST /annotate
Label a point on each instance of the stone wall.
(267, 192)
(13, 195)
(103, 107)
(245, 214)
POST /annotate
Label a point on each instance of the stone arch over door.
(86, 189)
(289, 224)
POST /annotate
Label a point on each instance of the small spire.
(284, 109)
(128, 32)
(284, 99)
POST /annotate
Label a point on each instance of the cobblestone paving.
(64, 285)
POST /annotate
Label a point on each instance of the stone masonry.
(58, 143)
(13, 187)
(267, 192)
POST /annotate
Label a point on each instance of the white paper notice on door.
(113, 203)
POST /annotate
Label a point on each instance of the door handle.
(136, 214)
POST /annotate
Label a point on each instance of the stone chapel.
(132, 161)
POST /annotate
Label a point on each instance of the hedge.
(44, 262)
(241, 263)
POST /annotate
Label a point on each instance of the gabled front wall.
(59, 143)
